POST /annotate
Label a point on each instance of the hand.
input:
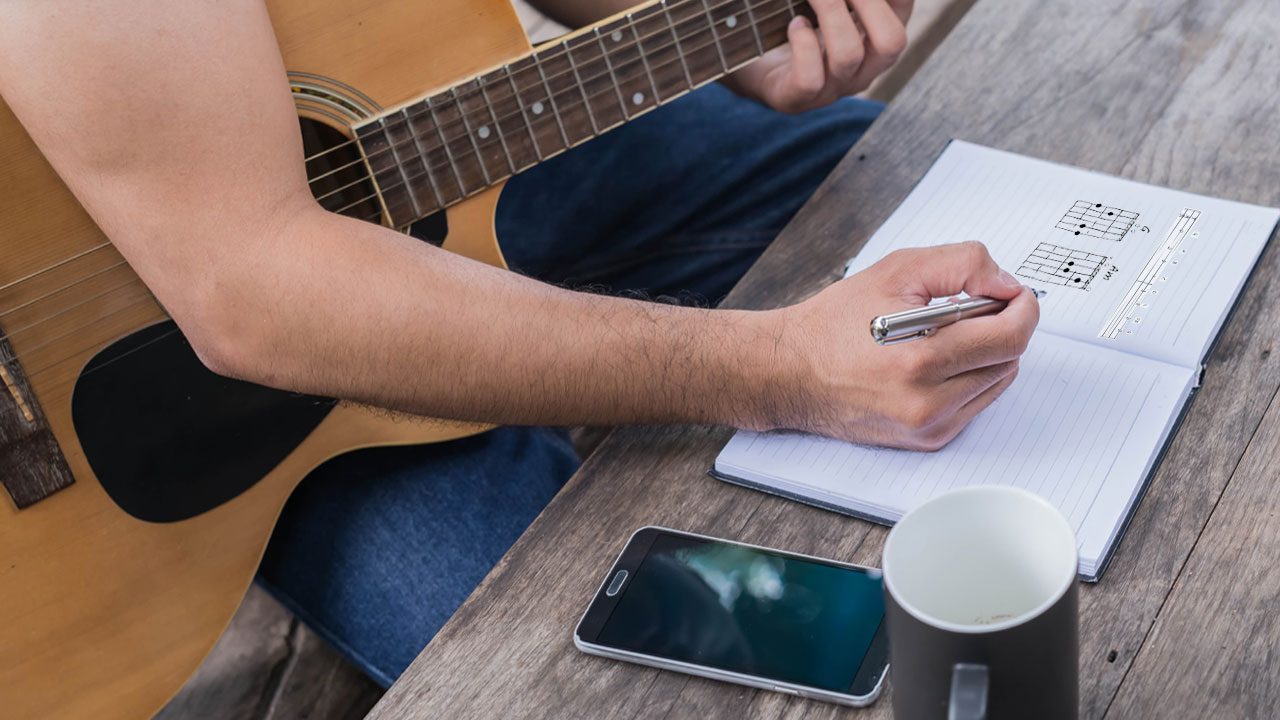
(816, 67)
(918, 394)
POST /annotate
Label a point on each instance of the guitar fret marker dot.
(483, 132)
(537, 108)
(731, 21)
(637, 98)
(617, 36)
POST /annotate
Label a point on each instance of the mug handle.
(969, 684)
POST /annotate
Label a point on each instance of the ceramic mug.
(981, 601)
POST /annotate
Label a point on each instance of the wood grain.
(1165, 92)
(268, 666)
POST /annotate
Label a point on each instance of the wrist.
(774, 370)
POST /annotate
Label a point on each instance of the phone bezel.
(869, 679)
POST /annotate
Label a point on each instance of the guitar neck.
(435, 152)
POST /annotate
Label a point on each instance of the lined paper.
(1077, 425)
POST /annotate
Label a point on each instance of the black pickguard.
(168, 439)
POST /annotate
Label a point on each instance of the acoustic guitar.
(142, 488)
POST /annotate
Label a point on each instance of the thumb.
(946, 270)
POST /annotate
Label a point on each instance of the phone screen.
(749, 611)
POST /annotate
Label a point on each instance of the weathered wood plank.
(319, 684)
(1096, 84)
(240, 675)
(1213, 650)
(268, 666)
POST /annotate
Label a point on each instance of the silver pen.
(918, 322)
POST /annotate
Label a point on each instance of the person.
(377, 549)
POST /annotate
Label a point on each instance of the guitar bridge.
(32, 466)
(18, 399)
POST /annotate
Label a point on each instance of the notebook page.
(1080, 426)
(1120, 264)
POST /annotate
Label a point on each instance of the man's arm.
(204, 192)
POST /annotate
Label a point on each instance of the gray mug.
(981, 603)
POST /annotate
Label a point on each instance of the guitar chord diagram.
(1127, 312)
(1061, 266)
(1098, 221)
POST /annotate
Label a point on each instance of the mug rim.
(975, 629)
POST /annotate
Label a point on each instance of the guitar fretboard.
(435, 152)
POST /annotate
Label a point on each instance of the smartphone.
(744, 614)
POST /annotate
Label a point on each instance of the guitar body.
(113, 589)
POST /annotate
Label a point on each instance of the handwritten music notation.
(1098, 221)
(1061, 266)
(1129, 313)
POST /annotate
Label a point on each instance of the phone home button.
(616, 584)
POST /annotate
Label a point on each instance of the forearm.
(344, 308)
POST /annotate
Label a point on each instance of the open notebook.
(1136, 284)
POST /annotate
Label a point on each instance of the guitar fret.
(551, 100)
(679, 52)
(644, 60)
(435, 120)
(738, 44)
(755, 29)
(395, 154)
(617, 89)
(466, 125)
(586, 101)
(533, 137)
(715, 36)
(426, 160)
(497, 126)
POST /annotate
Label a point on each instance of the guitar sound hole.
(337, 173)
(340, 181)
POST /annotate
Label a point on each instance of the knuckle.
(916, 364)
(1013, 371)
(915, 417)
(933, 438)
(890, 43)
(810, 86)
(846, 59)
(976, 253)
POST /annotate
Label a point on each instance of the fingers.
(842, 41)
(807, 76)
(886, 38)
(922, 274)
(989, 340)
(947, 430)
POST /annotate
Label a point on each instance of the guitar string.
(135, 280)
(551, 98)
(68, 286)
(559, 51)
(466, 152)
(396, 121)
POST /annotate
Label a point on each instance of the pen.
(918, 322)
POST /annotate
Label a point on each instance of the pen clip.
(904, 338)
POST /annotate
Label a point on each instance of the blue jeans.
(376, 549)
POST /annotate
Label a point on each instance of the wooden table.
(1186, 622)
